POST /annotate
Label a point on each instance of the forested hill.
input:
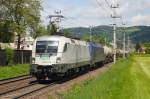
(137, 33)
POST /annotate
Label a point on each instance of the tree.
(41, 30)
(6, 34)
(67, 33)
(98, 39)
(147, 47)
(51, 28)
(137, 47)
(86, 37)
(95, 38)
(147, 50)
(6, 26)
(9, 56)
(23, 15)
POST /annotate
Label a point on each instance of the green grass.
(127, 79)
(14, 71)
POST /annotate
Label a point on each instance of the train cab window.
(46, 47)
(52, 47)
(40, 47)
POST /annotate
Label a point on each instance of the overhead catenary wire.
(106, 11)
(107, 3)
(101, 5)
(114, 16)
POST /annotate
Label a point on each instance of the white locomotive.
(57, 56)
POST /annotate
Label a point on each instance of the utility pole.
(114, 6)
(105, 41)
(56, 19)
(124, 46)
(124, 41)
(114, 45)
(128, 44)
(91, 33)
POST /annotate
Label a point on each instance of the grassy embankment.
(13, 71)
(127, 79)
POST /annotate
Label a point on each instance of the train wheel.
(40, 77)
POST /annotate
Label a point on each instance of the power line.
(100, 5)
(114, 16)
(104, 10)
(107, 3)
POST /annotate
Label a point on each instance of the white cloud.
(85, 14)
(141, 20)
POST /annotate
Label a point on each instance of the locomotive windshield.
(46, 47)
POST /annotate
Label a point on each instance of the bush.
(147, 50)
(9, 56)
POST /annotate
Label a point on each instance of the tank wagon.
(57, 56)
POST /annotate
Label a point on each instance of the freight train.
(58, 56)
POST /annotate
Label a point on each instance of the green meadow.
(127, 79)
(13, 71)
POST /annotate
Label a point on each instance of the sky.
(85, 13)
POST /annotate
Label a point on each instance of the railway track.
(14, 79)
(16, 83)
(25, 92)
(26, 89)
(52, 89)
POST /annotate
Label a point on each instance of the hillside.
(136, 33)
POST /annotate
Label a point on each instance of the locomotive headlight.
(58, 60)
